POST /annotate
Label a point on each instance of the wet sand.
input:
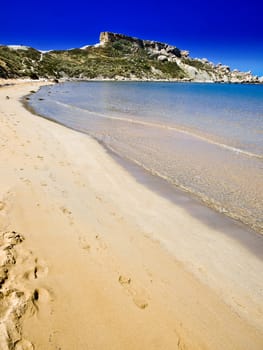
(93, 258)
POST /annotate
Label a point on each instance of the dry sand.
(91, 259)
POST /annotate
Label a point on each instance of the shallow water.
(206, 139)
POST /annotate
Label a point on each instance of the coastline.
(15, 81)
(220, 189)
(105, 262)
(197, 207)
(61, 80)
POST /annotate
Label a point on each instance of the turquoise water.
(206, 139)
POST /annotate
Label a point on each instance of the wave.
(209, 201)
(166, 127)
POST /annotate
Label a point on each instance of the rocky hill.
(116, 57)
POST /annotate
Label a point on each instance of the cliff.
(155, 49)
(117, 56)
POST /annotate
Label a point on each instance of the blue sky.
(230, 32)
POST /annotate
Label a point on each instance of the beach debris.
(7, 97)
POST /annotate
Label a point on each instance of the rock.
(108, 37)
(226, 68)
(172, 59)
(162, 58)
(184, 53)
(148, 45)
(34, 76)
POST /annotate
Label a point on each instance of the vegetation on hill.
(109, 61)
(118, 57)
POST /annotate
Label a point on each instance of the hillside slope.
(116, 57)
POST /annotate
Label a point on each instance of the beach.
(93, 259)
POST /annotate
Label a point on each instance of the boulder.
(162, 58)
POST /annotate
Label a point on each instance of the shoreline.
(15, 81)
(102, 260)
(202, 198)
(174, 193)
(196, 208)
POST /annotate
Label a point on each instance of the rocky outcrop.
(203, 70)
(154, 49)
(194, 69)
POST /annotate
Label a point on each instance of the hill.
(116, 57)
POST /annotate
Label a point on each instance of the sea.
(202, 138)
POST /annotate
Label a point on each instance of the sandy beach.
(93, 259)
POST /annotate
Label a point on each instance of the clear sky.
(230, 32)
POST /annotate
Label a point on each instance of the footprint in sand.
(11, 238)
(116, 216)
(2, 205)
(123, 280)
(84, 244)
(24, 345)
(98, 198)
(140, 302)
(16, 297)
(64, 193)
(101, 244)
(65, 210)
(41, 296)
(68, 213)
(38, 268)
(138, 297)
(3, 275)
(52, 177)
(25, 180)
